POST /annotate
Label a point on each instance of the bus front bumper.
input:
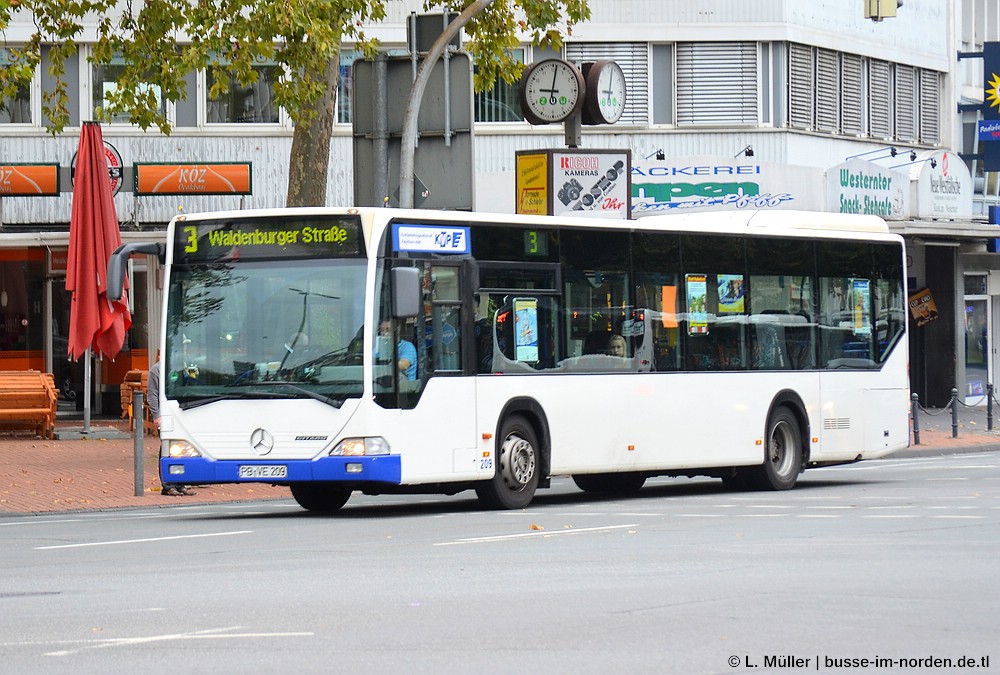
(200, 470)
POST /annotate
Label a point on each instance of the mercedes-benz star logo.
(261, 441)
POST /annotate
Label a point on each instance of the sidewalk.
(38, 475)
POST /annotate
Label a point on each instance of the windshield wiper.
(258, 393)
(336, 403)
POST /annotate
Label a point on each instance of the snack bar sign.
(230, 178)
(29, 180)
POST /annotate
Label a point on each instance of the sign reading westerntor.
(230, 178)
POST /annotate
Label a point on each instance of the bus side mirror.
(118, 262)
(406, 297)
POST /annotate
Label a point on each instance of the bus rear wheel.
(611, 483)
(320, 497)
(516, 467)
(783, 456)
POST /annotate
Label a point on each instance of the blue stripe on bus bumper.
(194, 470)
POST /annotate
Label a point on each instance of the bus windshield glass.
(255, 318)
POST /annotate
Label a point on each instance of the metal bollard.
(916, 422)
(954, 412)
(137, 443)
(989, 407)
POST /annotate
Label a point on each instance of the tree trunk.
(309, 162)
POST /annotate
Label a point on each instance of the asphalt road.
(894, 561)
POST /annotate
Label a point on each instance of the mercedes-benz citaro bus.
(393, 351)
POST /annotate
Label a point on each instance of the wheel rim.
(517, 462)
(782, 448)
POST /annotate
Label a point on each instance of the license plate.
(263, 471)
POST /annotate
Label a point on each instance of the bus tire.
(516, 467)
(610, 483)
(320, 497)
(783, 455)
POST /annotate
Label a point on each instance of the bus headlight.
(182, 449)
(354, 447)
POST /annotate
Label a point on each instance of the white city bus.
(389, 351)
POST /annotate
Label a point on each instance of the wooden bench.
(28, 401)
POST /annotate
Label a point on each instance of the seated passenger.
(617, 346)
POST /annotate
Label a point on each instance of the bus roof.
(722, 221)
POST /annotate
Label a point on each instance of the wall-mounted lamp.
(746, 152)
(913, 160)
(659, 154)
(892, 153)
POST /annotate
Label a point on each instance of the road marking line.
(538, 533)
(211, 634)
(140, 541)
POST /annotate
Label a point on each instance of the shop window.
(14, 109)
(104, 79)
(249, 104)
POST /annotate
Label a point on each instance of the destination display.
(288, 237)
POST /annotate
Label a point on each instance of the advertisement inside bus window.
(526, 329)
(860, 302)
(697, 299)
(731, 291)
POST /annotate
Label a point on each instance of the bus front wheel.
(320, 497)
(783, 455)
(516, 465)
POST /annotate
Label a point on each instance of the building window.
(104, 80)
(930, 107)
(251, 104)
(717, 83)
(881, 99)
(14, 109)
(500, 104)
(906, 103)
(633, 57)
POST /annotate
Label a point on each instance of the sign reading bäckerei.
(707, 183)
(230, 240)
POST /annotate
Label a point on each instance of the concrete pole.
(409, 140)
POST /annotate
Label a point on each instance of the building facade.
(729, 104)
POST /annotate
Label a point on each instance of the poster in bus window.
(697, 298)
(860, 302)
(731, 291)
(526, 329)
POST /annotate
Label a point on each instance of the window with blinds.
(633, 57)
(827, 90)
(930, 107)
(906, 103)
(852, 108)
(881, 97)
(801, 76)
(717, 83)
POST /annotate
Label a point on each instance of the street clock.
(605, 99)
(551, 91)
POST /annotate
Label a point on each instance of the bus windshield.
(265, 329)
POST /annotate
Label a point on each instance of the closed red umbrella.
(94, 321)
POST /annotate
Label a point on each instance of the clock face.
(605, 93)
(551, 91)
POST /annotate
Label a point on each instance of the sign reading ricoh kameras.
(858, 186)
